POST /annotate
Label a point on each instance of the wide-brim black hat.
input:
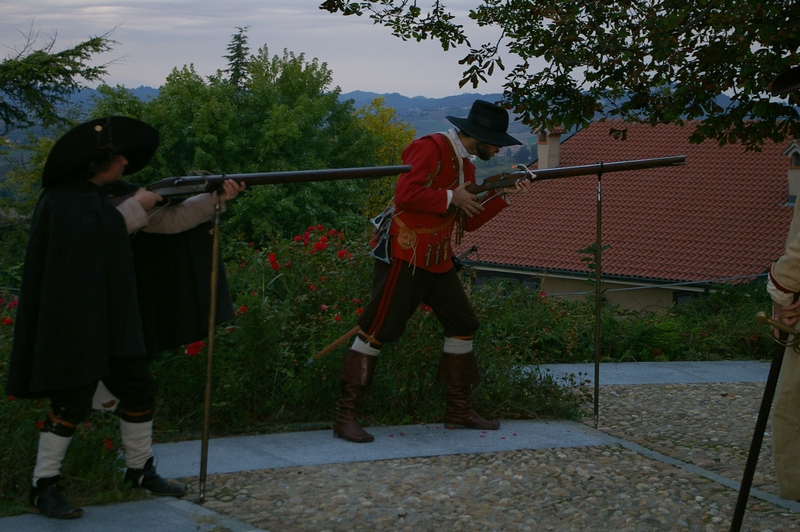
(97, 141)
(786, 81)
(487, 123)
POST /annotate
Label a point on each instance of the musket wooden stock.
(509, 179)
(173, 186)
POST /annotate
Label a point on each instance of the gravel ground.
(599, 488)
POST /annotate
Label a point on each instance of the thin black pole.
(597, 294)
(758, 433)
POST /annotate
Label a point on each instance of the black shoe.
(46, 500)
(148, 479)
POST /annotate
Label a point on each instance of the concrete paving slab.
(664, 372)
(151, 515)
(247, 453)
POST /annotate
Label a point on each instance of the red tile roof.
(723, 215)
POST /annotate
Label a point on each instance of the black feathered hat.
(486, 122)
(786, 81)
(97, 141)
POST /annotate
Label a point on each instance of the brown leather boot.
(356, 376)
(458, 373)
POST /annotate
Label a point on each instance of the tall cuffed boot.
(458, 372)
(141, 473)
(44, 496)
(356, 375)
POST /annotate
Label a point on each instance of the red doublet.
(422, 229)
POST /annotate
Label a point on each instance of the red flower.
(298, 238)
(323, 279)
(195, 348)
(324, 307)
(359, 310)
(109, 444)
(10, 397)
(275, 266)
(323, 239)
(320, 228)
(39, 425)
(312, 287)
(242, 309)
(273, 258)
(543, 294)
(252, 244)
(7, 321)
(338, 317)
(255, 293)
(356, 301)
(424, 308)
(319, 246)
(342, 253)
(13, 303)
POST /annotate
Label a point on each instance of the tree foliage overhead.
(653, 61)
(35, 82)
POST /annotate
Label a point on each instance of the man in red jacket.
(431, 202)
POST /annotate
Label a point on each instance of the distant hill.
(428, 115)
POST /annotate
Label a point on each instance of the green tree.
(523, 155)
(237, 58)
(284, 116)
(654, 61)
(394, 136)
(35, 82)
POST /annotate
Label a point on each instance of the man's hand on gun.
(469, 203)
(788, 315)
(229, 190)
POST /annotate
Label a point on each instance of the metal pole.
(597, 295)
(212, 317)
(758, 433)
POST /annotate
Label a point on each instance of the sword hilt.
(762, 318)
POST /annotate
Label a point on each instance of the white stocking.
(137, 439)
(52, 449)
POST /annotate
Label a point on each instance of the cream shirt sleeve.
(784, 274)
(168, 219)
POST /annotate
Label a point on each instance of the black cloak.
(79, 302)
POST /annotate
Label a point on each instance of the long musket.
(521, 172)
(174, 186)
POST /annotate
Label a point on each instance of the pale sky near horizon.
(156, 36)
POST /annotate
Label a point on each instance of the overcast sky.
(156, 36)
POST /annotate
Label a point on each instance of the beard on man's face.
(485, 151)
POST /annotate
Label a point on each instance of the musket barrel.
(508, 179)
(172, 186)
(615, 166)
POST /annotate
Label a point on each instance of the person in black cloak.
(79, 328)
